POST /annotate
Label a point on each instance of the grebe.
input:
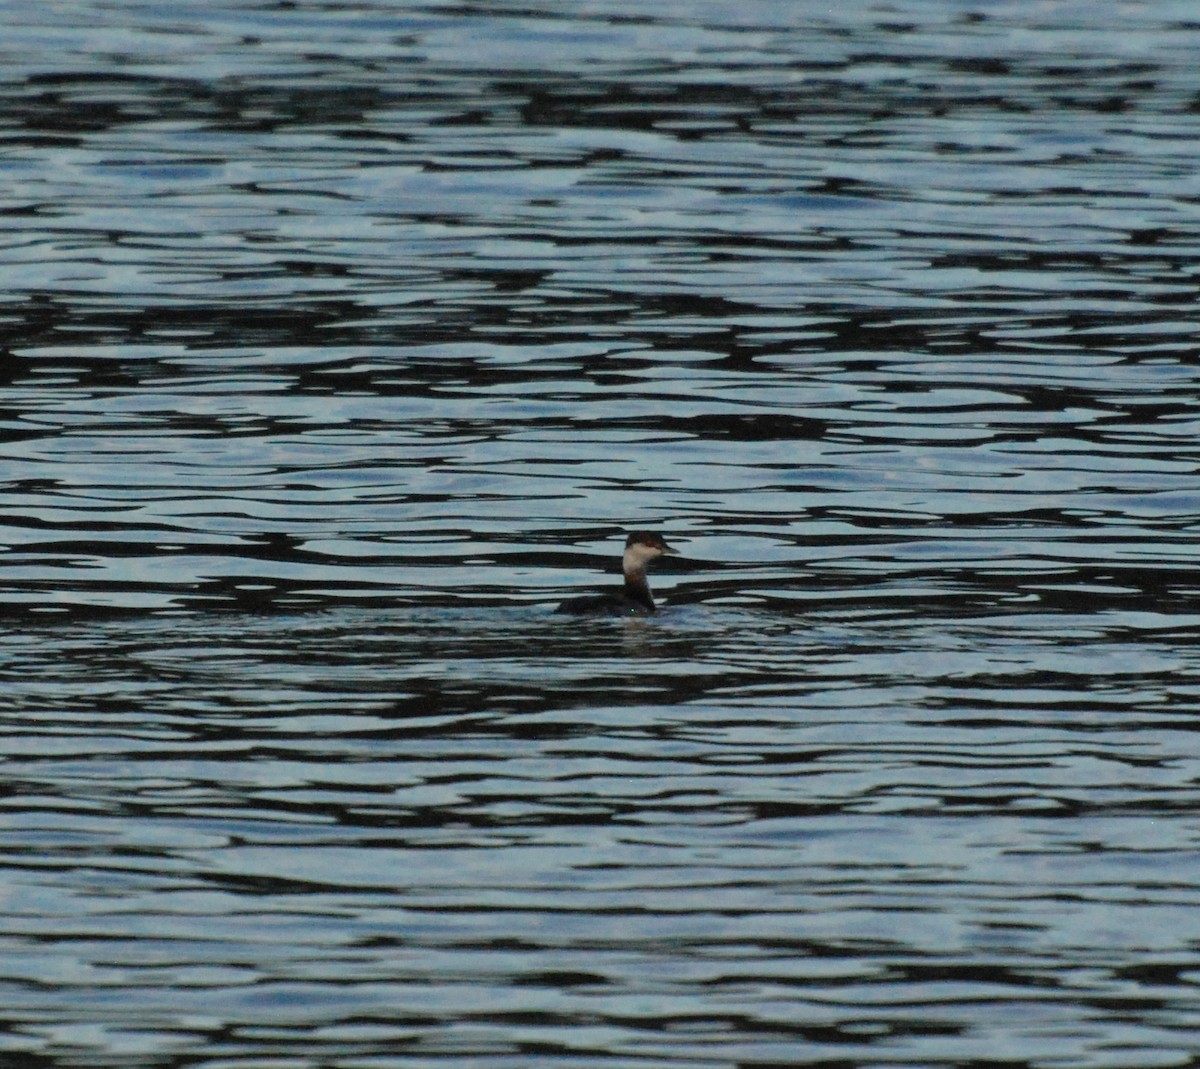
(633, 599)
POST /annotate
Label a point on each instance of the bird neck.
(635, 579)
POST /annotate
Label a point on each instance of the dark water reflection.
(721, 835)
(337, 343)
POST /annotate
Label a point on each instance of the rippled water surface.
(339, 342)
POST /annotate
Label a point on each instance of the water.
(339, 342)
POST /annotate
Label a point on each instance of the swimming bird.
(633, 599)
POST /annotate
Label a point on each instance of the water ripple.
(341, 342)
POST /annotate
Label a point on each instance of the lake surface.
(338, 343)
